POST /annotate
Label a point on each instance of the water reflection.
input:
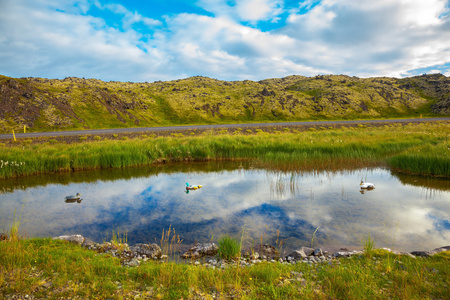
(403, 212)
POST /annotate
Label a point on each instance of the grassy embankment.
(53, 269)
(414, 148)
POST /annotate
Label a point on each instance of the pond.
(239, 199)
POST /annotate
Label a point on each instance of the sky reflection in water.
(403, 212)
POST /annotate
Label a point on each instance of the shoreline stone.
(201, 250)
(131, 256)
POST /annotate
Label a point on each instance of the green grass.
(54, 269)
(229, 248)
(424, 159)
(412, 148)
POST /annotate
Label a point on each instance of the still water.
(282, 208)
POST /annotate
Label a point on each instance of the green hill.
(75, 103)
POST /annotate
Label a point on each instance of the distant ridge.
(78, 103)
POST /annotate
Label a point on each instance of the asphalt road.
(206, 127)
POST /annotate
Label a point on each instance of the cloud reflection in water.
(396, 215)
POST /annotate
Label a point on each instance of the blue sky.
(151, 40)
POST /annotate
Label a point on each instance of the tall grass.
(319, 149)
(229, 248)
(170, 241)
(369, 246)
(424, 159)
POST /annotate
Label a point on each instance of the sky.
(150, 40)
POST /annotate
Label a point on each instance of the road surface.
(206, 127)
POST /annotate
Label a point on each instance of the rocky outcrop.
(442, 107)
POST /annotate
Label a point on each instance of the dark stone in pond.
(151, 250)
(200, 250)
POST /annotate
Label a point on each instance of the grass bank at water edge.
(415, 148)
(53, 269)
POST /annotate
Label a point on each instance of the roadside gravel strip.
(206, 127)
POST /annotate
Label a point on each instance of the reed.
(170, 241)
(424, 159)
(414, 148)
(369, 245)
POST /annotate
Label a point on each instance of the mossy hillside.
(78, 103)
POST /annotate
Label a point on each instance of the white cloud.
(129, 18)
(256, 10)
(244, 10)
(51, 38)
(370, 38)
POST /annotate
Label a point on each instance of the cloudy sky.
(149, 40)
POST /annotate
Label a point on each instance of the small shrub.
(52, 141)
(144, 136)
(229, 248)
(97, 138)
(115, 135)
(2, 144)
(286, 129)
(258, 130)
(82, 138)
(249, 131)
(124, 138)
